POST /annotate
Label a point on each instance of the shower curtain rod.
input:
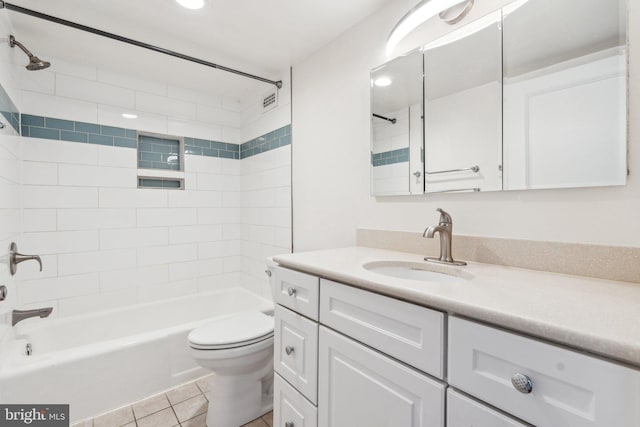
(36, 14)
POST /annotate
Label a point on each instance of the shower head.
(35, 63)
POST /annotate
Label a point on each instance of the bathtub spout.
(20, 315)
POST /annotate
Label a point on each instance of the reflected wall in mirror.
(9, 115)
(463, 109)
(396, 127)
(565, 93)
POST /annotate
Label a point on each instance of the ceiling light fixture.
(421, 13)
(129, 116)
(382, 81)
(191, 4)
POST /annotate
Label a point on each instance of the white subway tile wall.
(105, 243)
(10, 219)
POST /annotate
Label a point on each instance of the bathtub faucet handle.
(16, 258)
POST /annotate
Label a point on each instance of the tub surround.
(588, 314)
(621, 263)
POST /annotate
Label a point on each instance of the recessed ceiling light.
(191, 4)
(129, 116)
(382, 81)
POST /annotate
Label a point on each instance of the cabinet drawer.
(360, 387)
(465, 412)
(296, 351)
(297, 291)
(569, 389)
(289, 406)
(408, 332)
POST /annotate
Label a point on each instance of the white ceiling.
(262, 37)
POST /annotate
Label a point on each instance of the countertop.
(598, 316)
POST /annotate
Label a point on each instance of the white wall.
(10, 218)
(331, 192)
(106, 243)
(477, 143)
(266, 186)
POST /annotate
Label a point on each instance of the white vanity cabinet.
(345, 357)
(348, 357)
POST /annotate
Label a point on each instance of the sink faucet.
(444, 229)
(20, 315)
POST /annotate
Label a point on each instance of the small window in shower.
(160, 152)
(160, 162)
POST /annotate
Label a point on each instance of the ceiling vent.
(270, 100)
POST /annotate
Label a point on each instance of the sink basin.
(418, 271)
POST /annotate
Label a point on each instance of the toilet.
(238, 349)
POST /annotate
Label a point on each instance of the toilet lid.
(237, 330)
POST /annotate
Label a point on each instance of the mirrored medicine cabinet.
(532, 96)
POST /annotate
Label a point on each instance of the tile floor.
(184, 406)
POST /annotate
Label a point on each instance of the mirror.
(396, 127)
(463, 109)
(523, 98)
(565, 94)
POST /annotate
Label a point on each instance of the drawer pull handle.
(292, 291)
(522, 383)
(267, 272)
(289, 349)
(289, 424)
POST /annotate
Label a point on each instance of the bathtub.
(99, 362)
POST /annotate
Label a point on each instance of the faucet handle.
(16, 258)
(445, 218)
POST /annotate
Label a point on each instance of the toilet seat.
(238, 330)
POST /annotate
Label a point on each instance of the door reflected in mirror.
(396, 127)
(565, 94)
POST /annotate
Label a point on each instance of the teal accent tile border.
(91, 133)
(68, 130)
(204, 147)
(390, 157)
(269, 141)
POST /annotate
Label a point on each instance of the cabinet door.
(361, 387)
(290, 408)
(465, 412)
(296, 351)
